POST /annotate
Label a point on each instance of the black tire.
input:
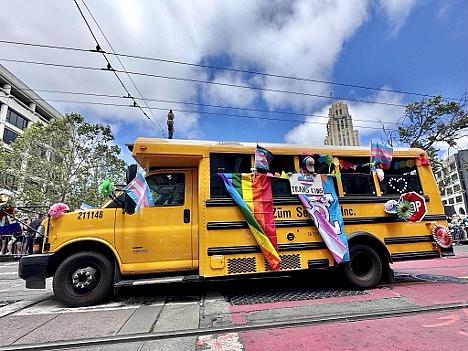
(364, 270)
(83, 279)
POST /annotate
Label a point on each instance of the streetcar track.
(143, 337)
(26, 305)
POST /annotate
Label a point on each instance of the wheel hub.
(84, 278)
(362, 264)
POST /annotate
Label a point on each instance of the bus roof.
(151, 151)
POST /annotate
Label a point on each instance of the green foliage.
(3, 158)
(64, 161)
(429, 122)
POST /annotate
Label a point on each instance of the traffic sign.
(418, 204)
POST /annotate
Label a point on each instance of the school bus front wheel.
(364, 269)
(83, 279)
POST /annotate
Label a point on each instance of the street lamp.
(170, 124)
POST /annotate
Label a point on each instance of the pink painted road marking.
(411, 333)
(458, 260)
(432, 293)
(456, 266)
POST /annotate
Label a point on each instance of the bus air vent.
(241, 265)
(287, 262)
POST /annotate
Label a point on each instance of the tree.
(430, 122)
(64, 161)
(3, 159)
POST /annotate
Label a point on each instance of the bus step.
(159, 280)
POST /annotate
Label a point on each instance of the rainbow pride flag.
(252, 194)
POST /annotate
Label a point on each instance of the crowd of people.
(458, 227)
(20, 239)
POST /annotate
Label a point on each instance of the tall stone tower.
(340, 126)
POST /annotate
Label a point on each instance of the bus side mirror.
(129, 204)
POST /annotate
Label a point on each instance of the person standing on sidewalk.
(31, 234)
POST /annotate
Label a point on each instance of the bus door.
(159, 238)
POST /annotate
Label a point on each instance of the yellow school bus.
(195, 231)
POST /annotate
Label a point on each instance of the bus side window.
(356, 176)
(401, 177)
(168, 189)
(319, 167)
(226, 163)
(281, 187)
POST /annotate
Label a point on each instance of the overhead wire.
(207, 113)
(304, 114)
(193, 80)
(121, 63)
(109, 65)
(238, 70)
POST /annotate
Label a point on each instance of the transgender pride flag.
(381, 153)
(139, 192)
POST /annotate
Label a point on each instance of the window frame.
(168, 172)
(375, 192)
(274, 180)
(17, 117)
(224, 194)
(8, 130)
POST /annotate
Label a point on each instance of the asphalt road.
(231, 308)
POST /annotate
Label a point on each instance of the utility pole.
(170, 124)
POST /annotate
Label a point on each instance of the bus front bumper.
(33, 269)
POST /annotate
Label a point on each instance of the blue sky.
(418, 46)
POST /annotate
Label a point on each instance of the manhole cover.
(280, 295)
(433, 278)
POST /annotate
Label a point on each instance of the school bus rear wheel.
(83, 279)
(364, 270)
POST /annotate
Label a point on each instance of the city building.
(452, 179)
(19, 108)
(340, 126)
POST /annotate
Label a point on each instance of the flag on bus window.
(139, 192)
(263, 158)
(253, 196)
(381, 153)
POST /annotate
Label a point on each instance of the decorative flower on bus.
(57, 210)
(404, 209)
(106, 187)
(391, 206)
(441, 236)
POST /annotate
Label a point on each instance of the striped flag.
(263, 158)
(326, 213)
(381, 153)
(139, 192)
(253, 196)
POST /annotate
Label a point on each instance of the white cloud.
(397, 11)
(364, 114)
(446, 151)
(294, 38)
(228, 95)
